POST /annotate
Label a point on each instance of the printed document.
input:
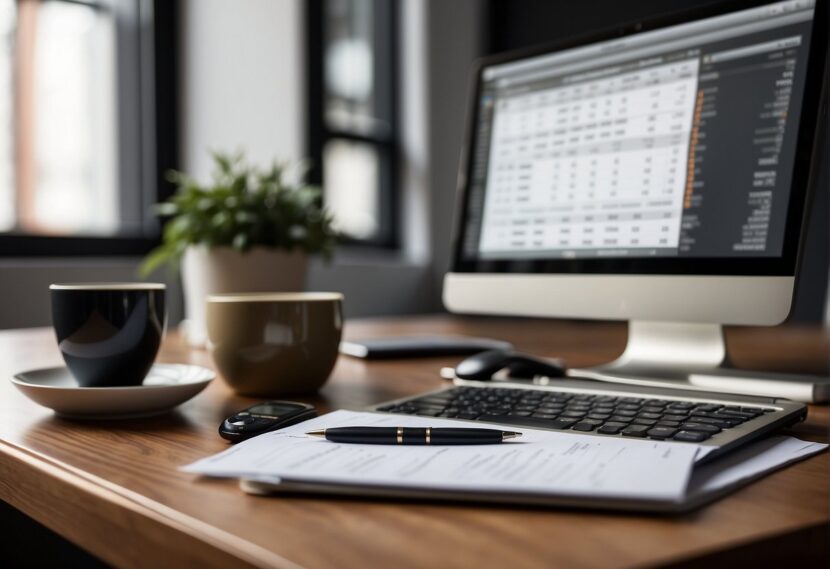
(539, 462)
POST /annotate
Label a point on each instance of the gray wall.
(456, 39)
(24, 285)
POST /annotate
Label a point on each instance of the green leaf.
(245, 206)
(240, 242)
(156, 258)
(166, 209)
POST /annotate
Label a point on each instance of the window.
(84, 86)
(352, 114)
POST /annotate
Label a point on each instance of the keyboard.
(682, 419)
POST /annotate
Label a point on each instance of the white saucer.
(166, 386)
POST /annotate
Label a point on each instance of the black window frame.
(387, 144)
(164, 98)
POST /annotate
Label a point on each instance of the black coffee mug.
(108, 333)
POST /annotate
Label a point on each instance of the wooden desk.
(113, 488)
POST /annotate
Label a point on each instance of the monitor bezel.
(802, 183)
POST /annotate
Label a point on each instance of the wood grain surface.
(114, 489)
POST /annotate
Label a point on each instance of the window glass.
(59, 120)
(349, 66)
(73, 124)
(7, 27)
(357, 139)
(351, 189)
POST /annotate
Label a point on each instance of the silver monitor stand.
(694, 356)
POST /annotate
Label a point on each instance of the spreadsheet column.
(591, 164)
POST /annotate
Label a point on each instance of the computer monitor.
(658, 173)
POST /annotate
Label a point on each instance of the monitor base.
(693, 356)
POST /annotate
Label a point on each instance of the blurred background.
(98, 99)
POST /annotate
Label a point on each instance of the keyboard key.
(635, 431)
(631, 406)
(542, 415)
(611, 428)
(673, 424)
(625, 412)
(562, 399)
(717, 422)
(428, 406)
(632, 400)
(586, 425)
(736, 414)
(521, 413)
(573, 414)
(661, 432)
(620, 419)
(437, 398)
(599, 416)
(674, 417)
(649, 415)
(700, 427)
(641, 421)
(561, 423)
(708, 407)
(732, 420)
(583, 397)
(729, 416)
(657, 410)
(691, 436)
(529, 421)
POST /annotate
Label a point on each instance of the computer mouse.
(484, 365)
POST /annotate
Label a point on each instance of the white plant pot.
(222, 269)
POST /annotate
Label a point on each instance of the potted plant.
(250, 230)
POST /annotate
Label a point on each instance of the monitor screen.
(661, 147)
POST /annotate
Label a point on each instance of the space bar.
(527, 421)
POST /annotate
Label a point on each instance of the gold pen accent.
(510, 435)
(428, 435)
(400, 435)
(321, 433)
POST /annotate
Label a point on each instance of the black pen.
(414, 435)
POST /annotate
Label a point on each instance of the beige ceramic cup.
(267, 344)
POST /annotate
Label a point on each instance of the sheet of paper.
(749, 462)
(567, 464)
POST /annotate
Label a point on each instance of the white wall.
(243, 81)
